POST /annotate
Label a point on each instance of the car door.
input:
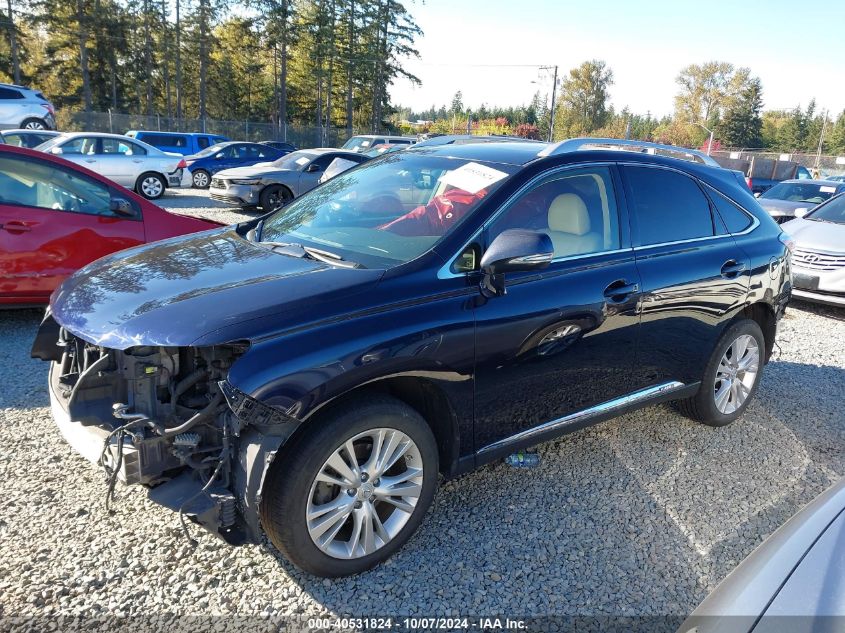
(309, 177)
(53, 221)
(81, 150)
(694, 274)
(121, 160)
(227, 157)
(562, 340)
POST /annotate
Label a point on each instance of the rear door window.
(666, 206)
(203, 142)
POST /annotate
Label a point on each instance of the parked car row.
(56, 216)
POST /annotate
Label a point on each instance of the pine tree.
(742, 124)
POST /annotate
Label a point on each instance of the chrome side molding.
(585, 414)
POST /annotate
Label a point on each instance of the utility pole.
(552, 111)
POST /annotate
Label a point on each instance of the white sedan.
(128, 162)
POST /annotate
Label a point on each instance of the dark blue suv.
(309, 374)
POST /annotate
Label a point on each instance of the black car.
(309, 374)
(280, 145)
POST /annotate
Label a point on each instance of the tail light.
(787, 241)
(49, 107)
(750, 183)
(182, 164)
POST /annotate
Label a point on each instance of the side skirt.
(580, 419)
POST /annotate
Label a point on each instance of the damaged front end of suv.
(168, 419)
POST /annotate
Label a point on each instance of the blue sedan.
(225, 156)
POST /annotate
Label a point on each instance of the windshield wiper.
(294, 249)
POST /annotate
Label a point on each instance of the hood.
(784, 207)
(214, 286)
(811, 235)
(252, 171)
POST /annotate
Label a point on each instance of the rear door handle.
(15, 227)
(620, 290)
(732, 268)
(90, 160)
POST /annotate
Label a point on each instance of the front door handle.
(15, 227)
(620, 290)
(90, 160)
(732, 268)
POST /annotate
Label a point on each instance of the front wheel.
(353, 489)
(274, 196)
(731, 377)
(150, 185)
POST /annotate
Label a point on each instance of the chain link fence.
(827, 165)
(120, 123)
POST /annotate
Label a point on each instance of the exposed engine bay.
(166, 418)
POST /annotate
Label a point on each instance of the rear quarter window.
(9, 93)
(734, 218)
(667, 206)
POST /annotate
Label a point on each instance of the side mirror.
(218, 156)
(758, 194)
(312, 168)
(56, 150)
(121, 206)
(514, 250)
(801, 212)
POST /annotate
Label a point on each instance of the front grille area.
(218, 183)
(817, 261)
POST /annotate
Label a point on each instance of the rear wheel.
(353, 489)
(731, 377)
(274, 196)
(150, 185)
(201, 179)
(33, 124)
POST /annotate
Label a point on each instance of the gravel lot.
(642, 515)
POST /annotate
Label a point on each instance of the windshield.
(800, 192)
(833, 211)
(208, 151)
(359, 143)
(388, 211)
(294, 160)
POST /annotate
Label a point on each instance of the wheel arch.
(422, 395)
(763, 314)
(147, 173)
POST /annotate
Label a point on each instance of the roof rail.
(643, 147)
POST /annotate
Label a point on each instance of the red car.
(56, 217)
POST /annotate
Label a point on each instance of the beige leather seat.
(569, 226)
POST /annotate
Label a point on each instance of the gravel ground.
(197, 203)
(642, 515)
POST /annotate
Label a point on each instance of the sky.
(491, 49)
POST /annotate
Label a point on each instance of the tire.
(34, 124)
(717, 403)
(291, 489)
(201, 179)
(274, 196)
(150, 185)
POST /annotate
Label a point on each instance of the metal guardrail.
(643, 147)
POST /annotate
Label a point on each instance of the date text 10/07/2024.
(419, 623)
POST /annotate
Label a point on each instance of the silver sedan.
(818, 261)
(128, 162)
(788, 199)
(267, 185)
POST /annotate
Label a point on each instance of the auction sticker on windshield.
(827, 189)
(472, 177)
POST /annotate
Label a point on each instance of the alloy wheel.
(35, 125)
(201, 179)
(364, 493)
(151, 187)
(736, 374)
